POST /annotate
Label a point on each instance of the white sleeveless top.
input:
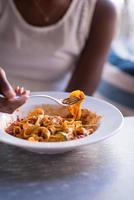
(43, 58)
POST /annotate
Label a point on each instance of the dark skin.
(87, 73)
(10, 103)
(32, 14)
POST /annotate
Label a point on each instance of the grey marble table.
(103, 171)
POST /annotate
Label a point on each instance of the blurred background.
(117, 85)
(125, 9)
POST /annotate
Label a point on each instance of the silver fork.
(64, 102)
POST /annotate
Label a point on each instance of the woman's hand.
(9, 104)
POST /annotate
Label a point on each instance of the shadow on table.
(20, 165)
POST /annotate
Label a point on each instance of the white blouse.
(43, 58)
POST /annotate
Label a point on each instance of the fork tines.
(71, 100)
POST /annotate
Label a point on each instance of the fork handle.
(39, 95)
(45, 96)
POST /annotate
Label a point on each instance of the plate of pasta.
(42, 126)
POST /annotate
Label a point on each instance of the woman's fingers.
(5, 87)
(21, 91)
(10, 105)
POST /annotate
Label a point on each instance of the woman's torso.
(43, 58)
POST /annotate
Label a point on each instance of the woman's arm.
(90, 64)
(9, 103)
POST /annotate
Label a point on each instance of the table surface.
(102, 171)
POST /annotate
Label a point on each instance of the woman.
(55, 44)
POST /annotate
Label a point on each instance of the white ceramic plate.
(111, 122)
